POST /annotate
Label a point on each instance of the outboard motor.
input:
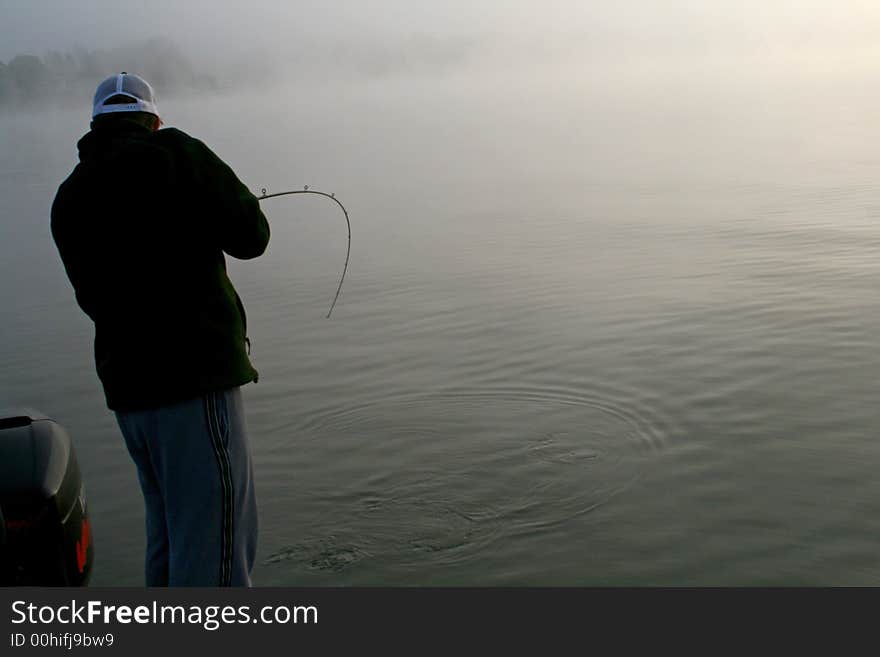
(46, 537)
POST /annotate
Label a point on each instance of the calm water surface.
(575, 346)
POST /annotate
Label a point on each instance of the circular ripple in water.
(440, 479)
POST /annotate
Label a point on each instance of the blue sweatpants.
(194, 465)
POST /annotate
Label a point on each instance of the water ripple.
(443, 477)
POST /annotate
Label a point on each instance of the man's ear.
(157, 123)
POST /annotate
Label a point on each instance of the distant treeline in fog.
(61, 78)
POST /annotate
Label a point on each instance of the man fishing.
(142, 224)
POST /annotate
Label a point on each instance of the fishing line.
(306, 190)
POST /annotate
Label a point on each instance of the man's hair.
(119, 99)
(144, 118)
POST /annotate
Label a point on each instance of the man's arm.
(242, 229)
(76, 263)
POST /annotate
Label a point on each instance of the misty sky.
(633, 28)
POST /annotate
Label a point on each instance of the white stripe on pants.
(194, 466)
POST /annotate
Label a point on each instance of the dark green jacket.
(142, 224)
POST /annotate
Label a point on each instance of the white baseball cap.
(135, 87)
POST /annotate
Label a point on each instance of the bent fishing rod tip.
(306, 190)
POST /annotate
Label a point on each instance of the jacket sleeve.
(241, 227)
(76, 262)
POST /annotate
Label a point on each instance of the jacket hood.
(107, 138)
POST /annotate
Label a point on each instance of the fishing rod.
(306, 190)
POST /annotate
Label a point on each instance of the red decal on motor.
(82, 545)
(18, 525)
